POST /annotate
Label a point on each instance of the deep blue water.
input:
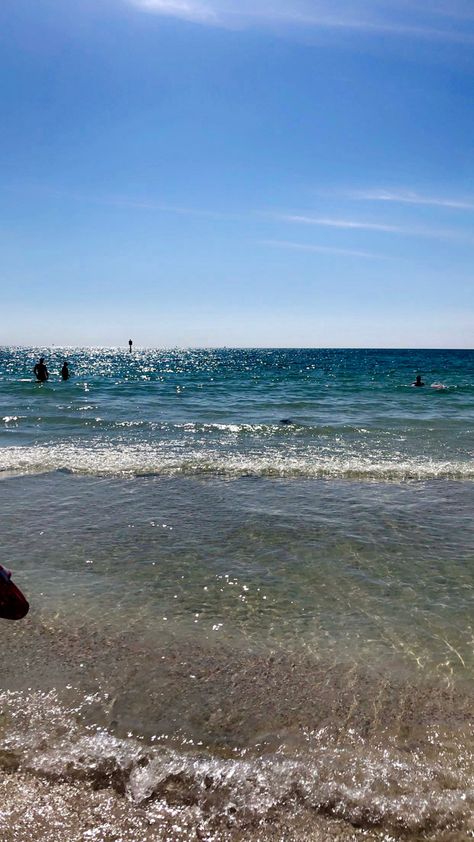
(353, 413)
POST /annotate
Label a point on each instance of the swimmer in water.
(418, 381)
(41, 372)
(65, 371)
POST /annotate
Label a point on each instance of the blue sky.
(214, 172)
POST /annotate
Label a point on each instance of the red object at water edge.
(13, 604)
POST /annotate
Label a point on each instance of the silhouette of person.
(130, 343)
(41, 372)
(418, 381)
(65, 370)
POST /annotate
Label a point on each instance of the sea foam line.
(146, 459)
(367, 785)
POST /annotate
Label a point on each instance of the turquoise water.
(354, 413)
(240, 628)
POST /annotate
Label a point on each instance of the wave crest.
(366, 785)
(146, 460)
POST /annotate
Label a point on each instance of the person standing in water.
(41, 372)
(65, 371)
(418, 381)
(130, 343)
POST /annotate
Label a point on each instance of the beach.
(251, 585)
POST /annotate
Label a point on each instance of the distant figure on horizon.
(65, 370)
(130, 343)
(41, 372)
(418, 381)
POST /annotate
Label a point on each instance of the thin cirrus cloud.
(340, 223)
(121, 202)
(410, 198)
(428, 19)
(288, 244)
(356, 224)
(194, 11)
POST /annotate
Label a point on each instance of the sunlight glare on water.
(250, 577)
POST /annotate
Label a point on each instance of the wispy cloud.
(340, 223)
(392, 17)
(356, 224)
(410, 198)
(322, 249)
(201, 12)
(252, 216)
(158, 207)
(125, 202)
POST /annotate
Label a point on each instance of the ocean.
(251, 585)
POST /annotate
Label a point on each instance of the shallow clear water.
(240, 629)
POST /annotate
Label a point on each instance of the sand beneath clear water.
(223, 744)
(246, 660)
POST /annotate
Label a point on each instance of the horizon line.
(239, 347)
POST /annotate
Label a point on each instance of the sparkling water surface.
(240, 628)
(352, 413)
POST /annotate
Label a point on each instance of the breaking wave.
(364, 785)
(146, 459)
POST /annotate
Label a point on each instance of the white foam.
(146, 459)
(367, 784)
